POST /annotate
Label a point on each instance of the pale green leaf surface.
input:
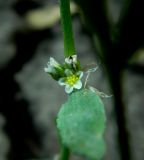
(81, 123)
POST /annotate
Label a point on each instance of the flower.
(71, 81)
(52, 65)
(55, 69)
(72, 63)
(71, 59)
(67, 74)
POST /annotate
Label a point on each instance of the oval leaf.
(81, 124)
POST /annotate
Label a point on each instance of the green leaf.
(81, 124)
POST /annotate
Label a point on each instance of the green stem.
(65, 153)
(69, 47)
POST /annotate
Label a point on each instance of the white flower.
(52, 65)
(71, 81)
(71, 59)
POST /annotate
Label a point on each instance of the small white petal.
(80, 74)
(68, 72)
(49, 70)
(74, 58)
(71, 59)
(61, 81)
(68, 61)
(53, 62)
(78, 85)
(68, 89)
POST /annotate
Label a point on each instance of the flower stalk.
(69, 47)
(65, 153)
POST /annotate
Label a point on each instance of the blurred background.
(30, 33)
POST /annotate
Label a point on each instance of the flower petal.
(61, 81)
(68, 72)
(68, 60)
(71, 59)
(49, 69)
(53, 62)
(78, 85)
(80, 74)
(74, 58)
(68, 89)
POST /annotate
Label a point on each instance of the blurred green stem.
(69, 47)
(65, 153)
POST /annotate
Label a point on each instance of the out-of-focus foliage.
(45, 17)
(4, 142)
(116, 42)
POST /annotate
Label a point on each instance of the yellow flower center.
(71, 80)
